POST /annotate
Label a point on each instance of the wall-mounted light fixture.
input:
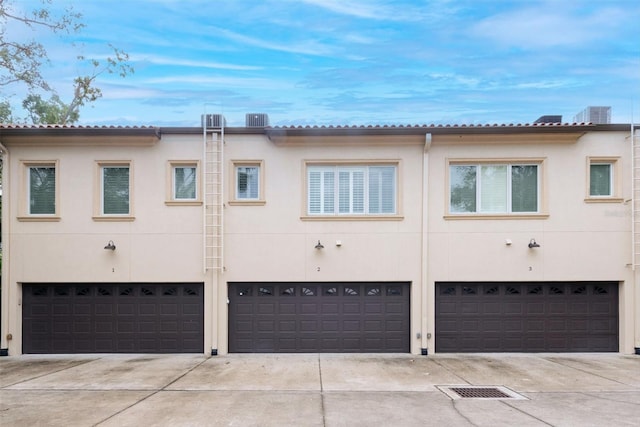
(319, 245)
(533, 244)
(110, 246)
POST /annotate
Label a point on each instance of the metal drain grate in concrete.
(479, 392)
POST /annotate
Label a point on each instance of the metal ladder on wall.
(213, 205)
(635, 209)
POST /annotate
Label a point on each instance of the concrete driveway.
(319, 390)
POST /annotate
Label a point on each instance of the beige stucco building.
(420, 239)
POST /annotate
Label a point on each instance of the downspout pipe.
(424, 336)
(6, 224)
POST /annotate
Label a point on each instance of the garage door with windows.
(113, 318)
(318, 317)
(527, 317)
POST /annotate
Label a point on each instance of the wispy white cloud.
(223, 82)
(397, 11)
(549, 26)
(195, 63)
(307, 47)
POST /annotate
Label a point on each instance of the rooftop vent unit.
(256, 120)
(549, 119)
(596, 115)
(213, 121)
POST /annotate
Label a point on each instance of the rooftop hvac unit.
(257, 120)
(549, 119)
(596, 115)
(213, 120)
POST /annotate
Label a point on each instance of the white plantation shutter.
(328, 192)
(382, 189)
(314, 192)
(349, 190)
(358, 185)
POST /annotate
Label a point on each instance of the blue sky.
(355, 62)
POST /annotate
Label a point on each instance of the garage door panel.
(492, 325)
(266, 308)
(351, 308)
(470, 308)
(82, 327)
(317, 317)
(534, 317)
(448, 308)
(580, 308)
(490, 308)
(308, 325)
(81, 309)
(306, 308)
(60, 309)
(244, 308)
(511, 308)
(286, 326)
(506, 325)
(469, 326)
(535, 307)
(329, 308)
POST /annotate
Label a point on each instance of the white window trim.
(24, 207)
(335, 165)
(233, 183)
(615, 196)
(99, 214)
(541, 212)
(171, 199)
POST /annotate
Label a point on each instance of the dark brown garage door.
(113, 318)
(527, 317)
(318, 317)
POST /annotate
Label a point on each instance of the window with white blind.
(41, 189)
(603, 181)
(351, 190)
(115, 189)
(184, 182)
(494, 188)
(247, 183)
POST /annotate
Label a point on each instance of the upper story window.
(602, 179)
(184, 182)
(41, 191)
(494, 188)
(352, 189)
(247, 182)
(114, 190)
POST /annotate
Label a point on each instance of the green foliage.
(51, 111)
(22, 62)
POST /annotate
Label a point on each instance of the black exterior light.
(533, 244)
(110, 246)
(319, 245)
